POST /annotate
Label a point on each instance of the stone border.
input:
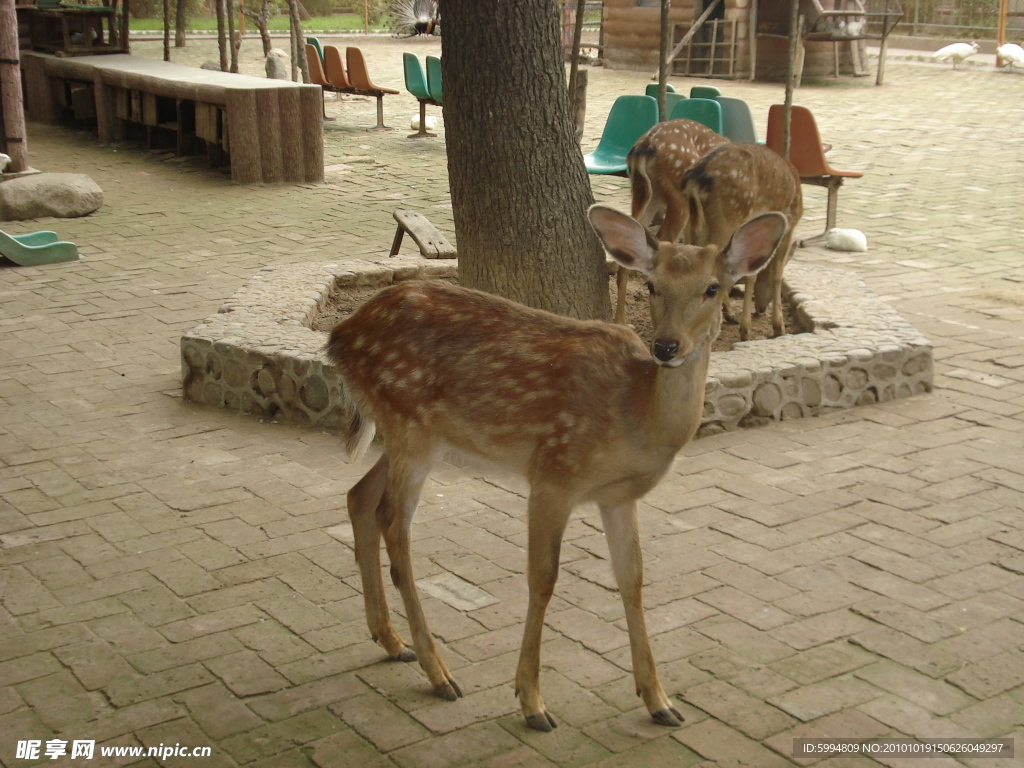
(258, 355)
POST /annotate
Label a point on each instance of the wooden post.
(366, 17)
(14, 139)
(794, 39)
(666, 36)
(577, 37)
(752, 38)
(1004, 8)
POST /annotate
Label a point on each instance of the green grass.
(341, 22)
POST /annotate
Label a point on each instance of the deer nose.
(665, 350)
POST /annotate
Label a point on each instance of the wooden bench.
(268, 130)
(432, 244)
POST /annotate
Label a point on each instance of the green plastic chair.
(704, 92)
(737, 122)
(315, 42)
(671, 96)
(434, 79)
(652, 89)
(630, 118)
(416, 84)
(705, 111)
(415, 79)
(36, 248)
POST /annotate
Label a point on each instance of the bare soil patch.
(345, 301)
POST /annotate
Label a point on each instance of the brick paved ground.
(179, 574)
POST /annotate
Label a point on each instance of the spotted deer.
(656, 166)
(581, 408)
(726, 188)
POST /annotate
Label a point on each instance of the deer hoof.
(406, 654)
(669, 716)
(448, 690)
(541, 721)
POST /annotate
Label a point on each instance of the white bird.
(956, 52)
(1011, 54)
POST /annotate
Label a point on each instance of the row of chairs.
(424, 85)
(632, 116)
(726, 115)
(327, 70)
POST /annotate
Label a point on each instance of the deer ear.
(624, 238)
(752, 245)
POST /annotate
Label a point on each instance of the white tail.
(581, 408)
(726, 188)
(656, 165)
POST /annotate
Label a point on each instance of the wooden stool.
(432, 244)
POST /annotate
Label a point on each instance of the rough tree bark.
(12, 114)
(180, 22)
(261, 20)
(519, 188)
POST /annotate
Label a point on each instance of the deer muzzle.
(665, 350)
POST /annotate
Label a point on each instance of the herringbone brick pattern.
(178, 574)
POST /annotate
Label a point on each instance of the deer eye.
(711, 291)
(650, 289)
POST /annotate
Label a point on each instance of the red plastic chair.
(807, 154)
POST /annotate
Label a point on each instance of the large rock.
(63, 195)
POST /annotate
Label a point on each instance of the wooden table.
(268, 130)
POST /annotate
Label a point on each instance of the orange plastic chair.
(316, 70)
(807, 154)
(359, 77)
(334, 69)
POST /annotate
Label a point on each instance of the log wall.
(632, 34)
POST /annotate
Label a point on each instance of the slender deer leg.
(363, 500)
(621, 282)
(748, 305)
(623, 536)
(395, 513)
(673, 224)
(548, 515)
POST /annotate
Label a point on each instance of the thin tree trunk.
(520, 191)
(234, 40)
(298, 43)
(180, 20)
(15, 142)
(167, 30)
(261, 21)
(222, 41)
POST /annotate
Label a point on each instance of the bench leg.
(422, 134)
(398, 241)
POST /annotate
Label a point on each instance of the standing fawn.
(728, 186)
(656, 166)
(581, 408)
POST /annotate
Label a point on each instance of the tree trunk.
(180, 21)
(167, 30)
(298, 43)
(222, 36)
(234, 39)
(261, 20)
(12, 114)
(519, 188)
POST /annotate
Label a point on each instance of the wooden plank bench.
(268, 130)
(432, 244)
